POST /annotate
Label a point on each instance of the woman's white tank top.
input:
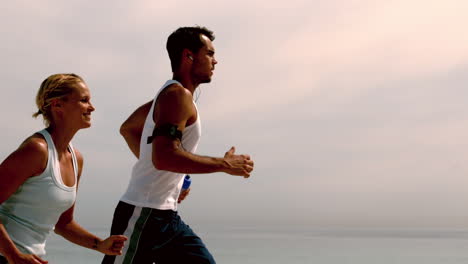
(33, 210)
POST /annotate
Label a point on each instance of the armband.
(95, 245)
(168, 130)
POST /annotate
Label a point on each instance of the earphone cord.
(198, 94)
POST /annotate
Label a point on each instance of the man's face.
(204, 61)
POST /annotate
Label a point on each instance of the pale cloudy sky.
(354, 111)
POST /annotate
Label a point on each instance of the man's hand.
(240, 165)
(183, 195)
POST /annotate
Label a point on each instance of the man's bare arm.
(132, 128)
(176, 159)
(175, 108)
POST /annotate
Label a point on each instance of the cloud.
(358, 49)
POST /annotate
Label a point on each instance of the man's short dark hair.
(185, 38)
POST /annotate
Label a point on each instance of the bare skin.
(175, 106)
(68, 117)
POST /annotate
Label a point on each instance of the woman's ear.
(56, 103)
(56, 109)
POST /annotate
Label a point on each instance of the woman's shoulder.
(34, 148)
(36, 143)
(33, 152)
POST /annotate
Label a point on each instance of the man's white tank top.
(153, 188)
(33, 210)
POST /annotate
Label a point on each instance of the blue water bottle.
(187, 182)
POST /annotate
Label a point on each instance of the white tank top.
(153, 188)
(33, 210)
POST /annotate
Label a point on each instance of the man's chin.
(206, 80)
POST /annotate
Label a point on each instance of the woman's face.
(77, 107)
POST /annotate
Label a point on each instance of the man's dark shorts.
(156, 236)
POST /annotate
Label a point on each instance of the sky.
(354, 111)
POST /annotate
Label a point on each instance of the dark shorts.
(156, 236)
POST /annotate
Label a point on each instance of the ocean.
(280, 245)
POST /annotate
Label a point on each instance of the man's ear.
(187, 54)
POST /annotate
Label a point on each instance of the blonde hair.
(56, 86)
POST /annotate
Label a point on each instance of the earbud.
(190, 57)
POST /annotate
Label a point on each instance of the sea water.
(281, 245)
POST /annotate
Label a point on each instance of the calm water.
(232, 245)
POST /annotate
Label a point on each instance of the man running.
(164, 134)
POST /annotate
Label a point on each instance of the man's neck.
(185, 81)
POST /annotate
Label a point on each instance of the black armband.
(167, 130)
(95, 245)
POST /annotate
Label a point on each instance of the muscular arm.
(13, 173)
(175, 106)
(132, 128)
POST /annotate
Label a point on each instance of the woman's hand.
(26, 259)
(112, 245)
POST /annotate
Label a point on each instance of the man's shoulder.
(175, 91)
(175, 88)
